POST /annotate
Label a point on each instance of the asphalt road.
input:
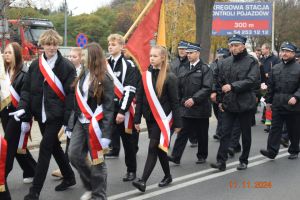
(264, 178)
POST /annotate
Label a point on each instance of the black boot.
(166, 181)
(140, 185)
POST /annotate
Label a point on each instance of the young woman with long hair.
(14, 130)
(154, 107)
(94, 108)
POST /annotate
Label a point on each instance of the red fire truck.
(26, 32)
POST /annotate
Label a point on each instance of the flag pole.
(134, 25)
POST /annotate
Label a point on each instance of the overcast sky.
(76, 6)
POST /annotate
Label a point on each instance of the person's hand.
(226, 88)
(213, 97)
(268, 106)
(189, 103)
(177, 130)
(25, 127)
(68, 132)
(120, 118)
(221, 107)
(17, 114)
(137, 127)
(105, 142)
(292, 101)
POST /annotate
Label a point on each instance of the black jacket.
(107, 102)
(35, 86)
(242, 73)
(197, 84)
(168, 100)
(130, 81)
(177, 63)
(269, 62)
(17, 85)
(284, 83)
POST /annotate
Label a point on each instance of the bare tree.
(204, 11)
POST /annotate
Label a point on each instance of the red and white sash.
(95, 132)
(119, 90)
(51, 78)
(164, 122)
(3, 153)
(22, 146)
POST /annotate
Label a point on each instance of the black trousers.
(292, 122)
(198, 127)
(12, 130)
(228, 120)
(129, 144)
(50, 145)
(155, 152)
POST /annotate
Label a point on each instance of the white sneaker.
(28, 180)
(86, 196)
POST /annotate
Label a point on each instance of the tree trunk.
(204, 12)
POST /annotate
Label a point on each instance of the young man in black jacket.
(195, 84)
(47, 95)
(124, 73)
(237, 79)
(283, 98)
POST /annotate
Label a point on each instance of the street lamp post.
(66, 22)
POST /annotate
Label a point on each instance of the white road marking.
(188, 176)
(202, 179)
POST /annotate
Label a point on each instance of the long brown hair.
(94, 60)
(162, 75)
(17, 61)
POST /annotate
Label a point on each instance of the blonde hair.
(50, 37)
(162, 75)
(116, 37)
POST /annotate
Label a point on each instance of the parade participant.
(124, 75)
(236, 84)
(181, 59)
(94, 110)
(282, 98)
(157, 102)
(268, 59)
(75, 57)
(47, 95)
(195, 84)
(175, 66)
(222, 53)
(16, 133)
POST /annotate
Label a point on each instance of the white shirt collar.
(195, 63)
(52, 61)
(116, 58)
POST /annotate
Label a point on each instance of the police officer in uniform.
(195, 83)
(222, 53)
(175, 65)
(181, 59)
(237, 78)
(283, 98)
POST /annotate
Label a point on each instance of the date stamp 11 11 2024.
(233, 184)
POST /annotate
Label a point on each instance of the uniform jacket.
(269, 62)
(284, 83)
(107, 102)
(242, 73)
(129, 82)
(197, 84)
(168, 100)
(177, 63)
(35, 87)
